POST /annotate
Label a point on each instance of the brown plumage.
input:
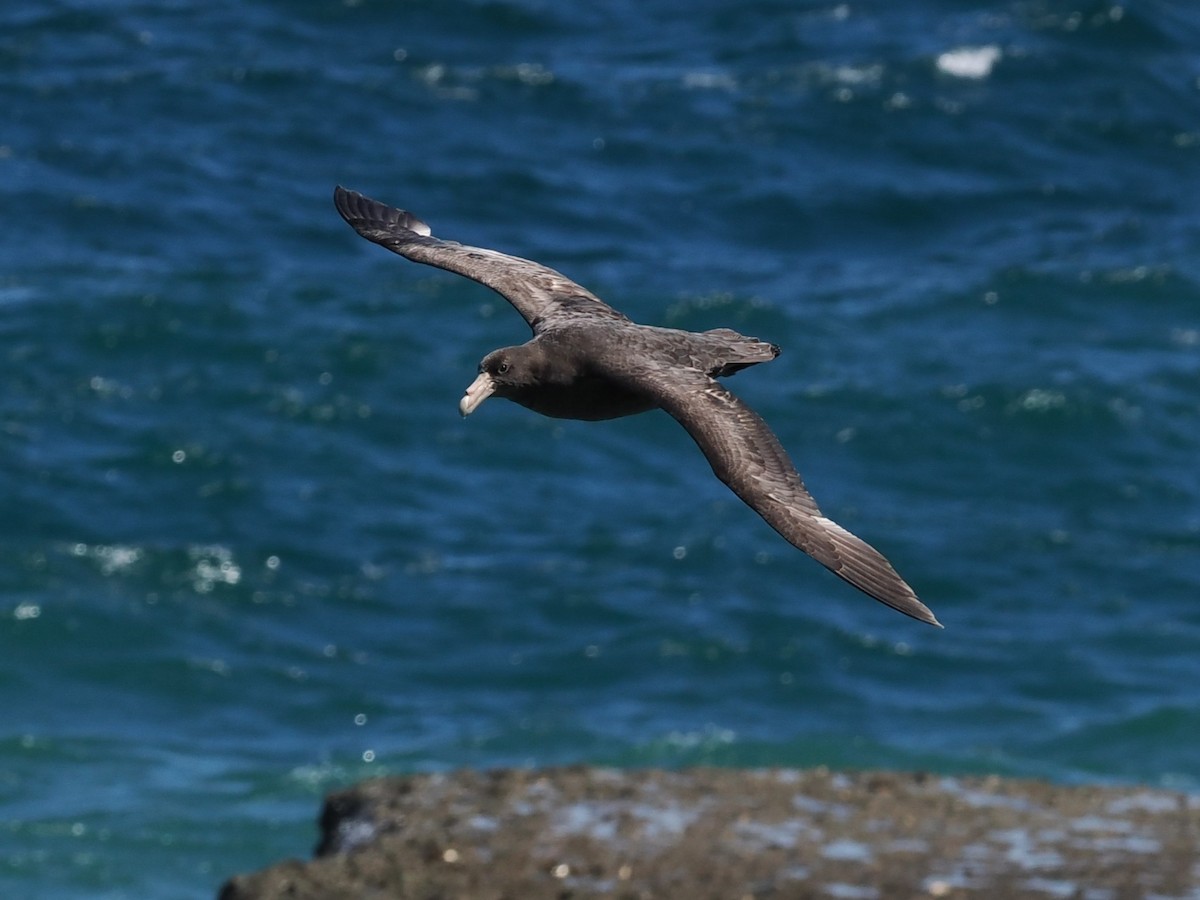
(588, 361)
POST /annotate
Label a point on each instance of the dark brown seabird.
(588, 361)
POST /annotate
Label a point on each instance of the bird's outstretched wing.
(542, 296)
(746, 455)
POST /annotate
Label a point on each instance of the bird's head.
(504, 373)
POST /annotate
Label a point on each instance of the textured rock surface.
(700, 833)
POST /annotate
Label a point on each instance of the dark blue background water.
(251, 554)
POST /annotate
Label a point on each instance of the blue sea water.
(251, 554)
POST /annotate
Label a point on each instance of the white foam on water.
(969, 62)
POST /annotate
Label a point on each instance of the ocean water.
(249, 552)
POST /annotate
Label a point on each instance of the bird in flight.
(588, 361)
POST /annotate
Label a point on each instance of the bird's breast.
(590, 399)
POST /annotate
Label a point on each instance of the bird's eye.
(502, 368)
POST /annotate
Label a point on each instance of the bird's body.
(602, 381)
(588, 361)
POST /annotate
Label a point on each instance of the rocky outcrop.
(719, 833)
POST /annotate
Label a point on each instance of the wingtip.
(917, 610)
(342, 200)
(367, 215)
